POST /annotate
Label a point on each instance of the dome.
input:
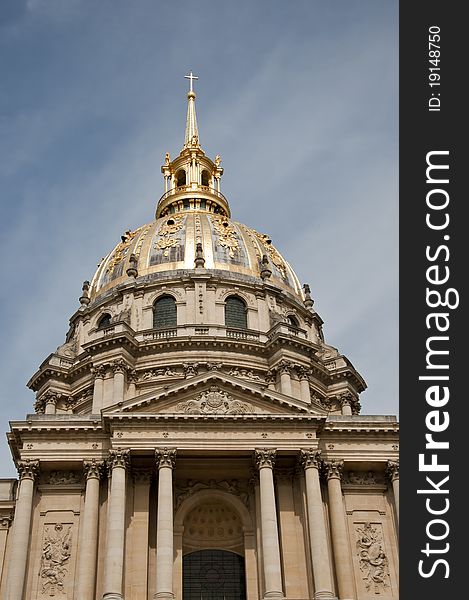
(193, 230)
(174, 241)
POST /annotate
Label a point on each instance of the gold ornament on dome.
(228, 238)
(121, 249)
(274, 254)
(167, 234)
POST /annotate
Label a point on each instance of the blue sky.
(300, 99)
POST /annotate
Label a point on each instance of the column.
(138, 554)
(51, 403)
(118, 368)
(285, 378)
(304, 385)
(294, 567)
(269, 530)
(108, 387)
(392, 471)
(28, 471)
(88, 549)
(98, 389)
(118, 463)
(320, 558)
(165, 459)
(340, 542)
(346, 404)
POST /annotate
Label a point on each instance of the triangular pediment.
(215, 394)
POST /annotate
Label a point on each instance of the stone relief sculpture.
(56, 551)
(215, 402)
(64, 477)
(372, 558)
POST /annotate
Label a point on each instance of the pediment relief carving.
(214, 401)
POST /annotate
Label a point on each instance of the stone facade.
(152, 443)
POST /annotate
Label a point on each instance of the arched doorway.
(214, 528)
(213, 575)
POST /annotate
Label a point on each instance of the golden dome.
(173, 242)
(193, 229)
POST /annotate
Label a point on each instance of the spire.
(192, 132)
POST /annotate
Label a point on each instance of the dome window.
(180, 178)
(104, 321)
(292, 321)
(205, 178)
(235, 313)
(164, 312)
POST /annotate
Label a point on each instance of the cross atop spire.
(191, 137)
(191, 78)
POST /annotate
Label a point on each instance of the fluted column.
(28, 471)
(265, 460)
(118, 463)
(165, 460)
(320, 558)
(340, 542)
(98, 389)
(88, 550)
(285, 378)
(392, 471)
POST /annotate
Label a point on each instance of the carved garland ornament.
(121, 250)
(167, 233)
(227, 236)
(372, 558)
(56, 551)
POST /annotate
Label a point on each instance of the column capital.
(28, 469)
(119, 366)
(165, 457)
(392, 470)
(310, 458)
(333, 469)
(285, 366)
(303, 373)
(265, 457)
(5, 521)
(118, 458)
(93, 469)
(99, 371)
(345, 399)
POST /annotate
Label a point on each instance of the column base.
(163, 596)
(324, 595)
(113, 596)
(273, 596)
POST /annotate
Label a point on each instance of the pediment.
(215, 395)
